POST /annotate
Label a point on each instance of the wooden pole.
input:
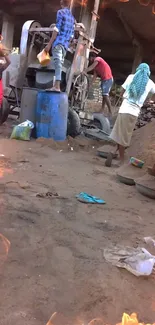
(85, 45)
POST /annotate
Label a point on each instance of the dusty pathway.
(55, 262)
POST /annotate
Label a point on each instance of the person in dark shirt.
(4, 63)
(61, 37)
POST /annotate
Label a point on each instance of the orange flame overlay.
(126, 320)
(51, 319)
(131, 320)
(107, 3)
(82, 3)
(4, 249)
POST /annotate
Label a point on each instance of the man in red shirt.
(101, 69)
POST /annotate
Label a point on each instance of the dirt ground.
(56, 262)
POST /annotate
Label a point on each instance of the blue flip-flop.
(87, 198)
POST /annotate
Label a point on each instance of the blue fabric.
(65, 25)
(139, 82)
(106, 86)
(87, 198)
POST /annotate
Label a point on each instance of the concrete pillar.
(86, 17)
(137, 58)
(94, 21)
(8, 31)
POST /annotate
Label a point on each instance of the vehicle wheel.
(102, 121)
(31, 82)
(95, 124)
(73, 126)
(5, 109)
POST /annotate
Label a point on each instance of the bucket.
(44, 58)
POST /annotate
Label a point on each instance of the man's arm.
(92, 67)
(122, 92)
(80, 25)
(55, 32)
(153, 92)
(53, 38)
(94, 77)
(125, 85)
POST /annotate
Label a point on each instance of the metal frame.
(84, 45)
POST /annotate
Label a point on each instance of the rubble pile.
(143, 144)
(146, 115)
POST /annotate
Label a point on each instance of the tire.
(5, 110)
(95, 124)
(103, 121)
(31, 82)
(74, 126)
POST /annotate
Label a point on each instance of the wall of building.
(94, 101)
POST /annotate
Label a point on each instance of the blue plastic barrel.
(51, 115)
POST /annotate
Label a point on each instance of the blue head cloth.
(139, 82)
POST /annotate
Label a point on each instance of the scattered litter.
(51, 195)
(138, 261)
(149, 240)
(1, 155)
(47, 194)
(22, 131)
(87, 198)
(24, 161)
(72, 149)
